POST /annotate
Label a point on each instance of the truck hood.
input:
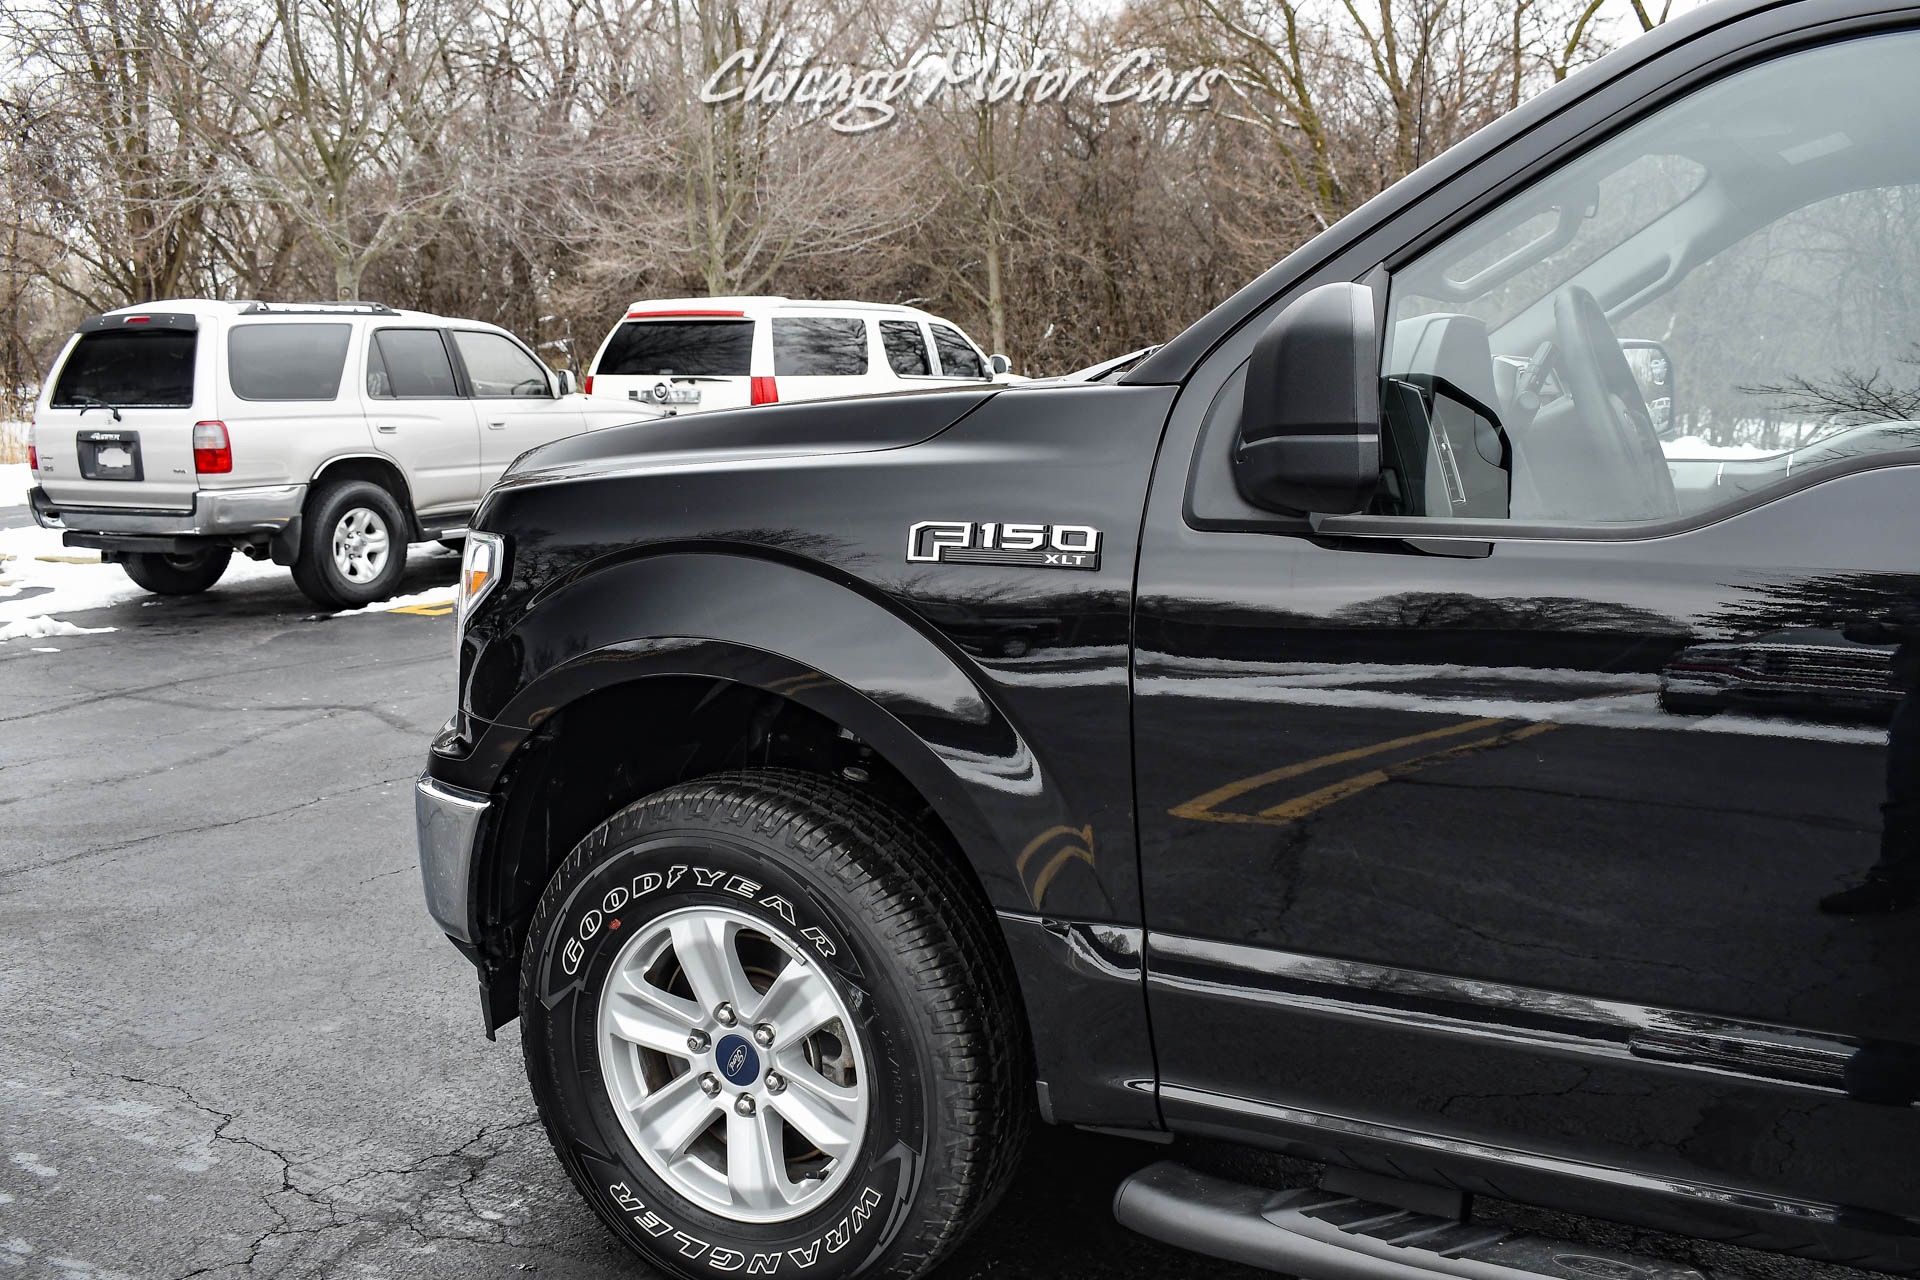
(857, 424)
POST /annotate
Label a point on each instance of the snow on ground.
(1699, 449)
(15, 480)
(436, 598)
(41, 627)
(40, 578)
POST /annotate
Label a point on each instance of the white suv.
(326, 436)
(722, 353)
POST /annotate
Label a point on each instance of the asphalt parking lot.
(233, 1043)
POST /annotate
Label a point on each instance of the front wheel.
(178, 575)
(770, 1029)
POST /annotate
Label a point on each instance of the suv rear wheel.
(353, 545)
(178, 575)
(770, 1028)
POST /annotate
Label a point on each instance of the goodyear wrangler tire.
(771, 1030)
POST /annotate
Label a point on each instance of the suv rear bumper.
(447, 823)
(217, 513)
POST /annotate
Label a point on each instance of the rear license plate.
(109, 455)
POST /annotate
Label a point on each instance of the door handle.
(496, 424)
(386, 428)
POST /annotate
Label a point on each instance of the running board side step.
(1319, 1234)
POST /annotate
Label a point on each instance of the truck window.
(149, 369)
(287, 361)
(906, 348)
(689, 348)
(1669, 325)
(958, 359)
(819, 346)
(410, 364)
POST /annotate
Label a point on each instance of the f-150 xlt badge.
(1040, 546)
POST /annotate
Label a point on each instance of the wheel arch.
(374, 469)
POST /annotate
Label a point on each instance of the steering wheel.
(1634, 482)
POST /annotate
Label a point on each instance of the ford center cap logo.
(739, 1063)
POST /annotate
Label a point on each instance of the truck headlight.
(482, 564)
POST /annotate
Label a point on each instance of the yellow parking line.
(1300, 806)
(425, 610)
(1203, 806)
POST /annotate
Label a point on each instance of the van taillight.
(586, 384)
(212, 453)
(765, 392)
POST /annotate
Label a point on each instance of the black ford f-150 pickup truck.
(1267, 741)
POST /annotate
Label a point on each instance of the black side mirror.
(1309, 439)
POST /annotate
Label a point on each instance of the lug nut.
(776, 1083)
(763, 1035)
(698, 1041)
(724, 1015)
(709, 1084)
(744, 1104)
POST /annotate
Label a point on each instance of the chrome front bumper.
(216, 513)
(446, 820)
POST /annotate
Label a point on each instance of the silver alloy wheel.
(733, 1064)
(361, 544)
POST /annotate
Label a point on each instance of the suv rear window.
(150, 369)
(819, 346)
(287, 361)
(690, 348)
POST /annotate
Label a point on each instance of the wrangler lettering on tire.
(771, 1030)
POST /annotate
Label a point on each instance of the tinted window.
(958, 359)
(906, 349)
(412, 365)
(287, 361)
(1722, 322)
(819, 346)
(690, 348)
(498, 367)
(152, 369)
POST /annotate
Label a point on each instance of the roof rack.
(318, 308)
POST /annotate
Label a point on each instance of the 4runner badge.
(1040, 546)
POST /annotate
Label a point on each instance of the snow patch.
(35, 558)
(30, 1161)
(41, 627)
(433, 598)
(15, 480)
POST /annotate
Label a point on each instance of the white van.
(325, 436)
(723, 353)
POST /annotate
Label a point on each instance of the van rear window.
(287, 361)
(148, 369)
(690, 348)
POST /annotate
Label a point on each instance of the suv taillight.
(765, 392)
(212, 452)
(586, 385)
(33, 451)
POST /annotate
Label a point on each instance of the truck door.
(420, 418)
(1517, 815)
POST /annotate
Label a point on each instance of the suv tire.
(850, 944)
(353, 545)
(177, 575)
